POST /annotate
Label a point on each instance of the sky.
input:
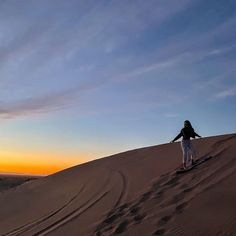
(84, 79)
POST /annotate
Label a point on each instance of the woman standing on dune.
(187, 147)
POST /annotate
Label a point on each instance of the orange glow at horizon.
(37, 164)
(34, 169)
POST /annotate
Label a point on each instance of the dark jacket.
(186, 133)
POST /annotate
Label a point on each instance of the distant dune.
(131, 193)
(8, 181)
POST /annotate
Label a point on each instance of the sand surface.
(131, 193)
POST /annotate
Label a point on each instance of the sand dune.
(8, 181)
(131, 193)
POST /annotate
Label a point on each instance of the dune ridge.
(132, 193)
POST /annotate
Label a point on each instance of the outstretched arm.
(197, 135)
(177, 137)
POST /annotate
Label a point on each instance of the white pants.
(188, 150)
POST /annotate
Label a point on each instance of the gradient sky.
(83, 79)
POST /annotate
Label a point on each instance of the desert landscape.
(101, 103)
(132, 193)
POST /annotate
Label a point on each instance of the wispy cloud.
(44, 51)
(221, 50)
(134, 73)
(230, 92)
(35, 105)
(46, 103)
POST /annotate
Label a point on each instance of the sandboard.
(198, 162)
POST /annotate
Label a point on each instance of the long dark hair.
(187, 124)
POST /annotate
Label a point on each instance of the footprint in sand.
(187, 190)
(123, 207)
(134, 210)
(178, 197)
(164, 220)
(138, 218)
(122, 227)
(179, 209)
(112, 218)
(159, 232)
(159, 195)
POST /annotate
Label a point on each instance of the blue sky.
(85, 79)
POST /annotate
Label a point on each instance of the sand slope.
(132, 193)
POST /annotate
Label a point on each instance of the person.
(187, 147)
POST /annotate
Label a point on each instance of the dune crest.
(131, 193)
